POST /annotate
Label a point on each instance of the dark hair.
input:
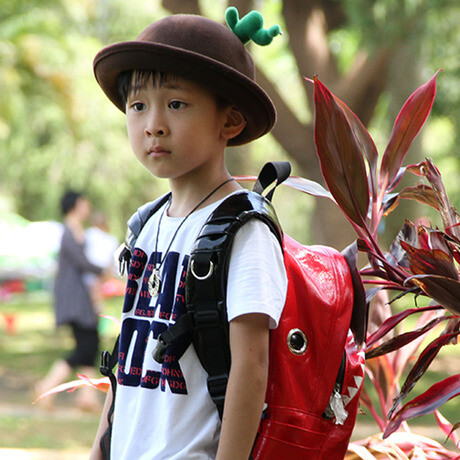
(126, 83)
(69, 200)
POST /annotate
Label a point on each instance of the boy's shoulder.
(230, 214)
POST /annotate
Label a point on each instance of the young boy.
(187, 87)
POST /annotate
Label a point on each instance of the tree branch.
(307, 26)
(182, 6)
(243, 6)
(364, 83)
(293, 135)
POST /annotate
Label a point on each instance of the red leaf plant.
(422, 260)
(102, 384)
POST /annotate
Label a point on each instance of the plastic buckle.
(160, 350)
(105, 363)
(207, 318)
(124, 260)
(217, 386)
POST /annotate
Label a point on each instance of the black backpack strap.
(108, 363)
(206, 284)
(180, 329)
(206, 267)
(206, 322)
(135, 224)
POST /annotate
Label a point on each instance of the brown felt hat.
(199, 49)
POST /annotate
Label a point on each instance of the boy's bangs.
(132, 81)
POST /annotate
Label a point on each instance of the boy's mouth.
(158, 151)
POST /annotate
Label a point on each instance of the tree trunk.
(308, 24)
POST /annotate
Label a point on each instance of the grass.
(28, 354)
(38, 432)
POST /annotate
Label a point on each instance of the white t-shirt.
(164, 411)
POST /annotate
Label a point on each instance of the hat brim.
(225, 81)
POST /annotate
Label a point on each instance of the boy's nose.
(155, 132)
(156, 126)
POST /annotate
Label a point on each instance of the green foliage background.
(57, 129)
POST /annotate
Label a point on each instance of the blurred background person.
(73, 304)
(100, 249)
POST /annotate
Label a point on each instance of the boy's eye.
(138, 106)
(176, 105)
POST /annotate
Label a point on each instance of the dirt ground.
(41, 454)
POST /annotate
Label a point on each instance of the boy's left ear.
(234, 124)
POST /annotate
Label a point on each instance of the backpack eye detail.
(297, 342)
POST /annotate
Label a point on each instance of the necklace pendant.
(154, 283)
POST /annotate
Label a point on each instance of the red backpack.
(316, 369)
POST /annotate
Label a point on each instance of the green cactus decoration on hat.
(251, 27)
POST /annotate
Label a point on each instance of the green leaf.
(341, 159)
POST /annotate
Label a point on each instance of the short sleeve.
(257, 280)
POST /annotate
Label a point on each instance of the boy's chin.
(156, 170)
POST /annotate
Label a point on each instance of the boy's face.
(176, 129)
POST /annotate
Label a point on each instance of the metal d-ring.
(201, 278)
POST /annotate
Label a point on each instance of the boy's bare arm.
(246, 386)
(96, 453)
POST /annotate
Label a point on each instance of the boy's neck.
(186, 197)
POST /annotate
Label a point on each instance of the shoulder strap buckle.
(217, 387)
(105, 363)
(109, 360)
(181, 328)
(207, 318)
(160, 350)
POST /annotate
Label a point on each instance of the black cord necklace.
(154, 283)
